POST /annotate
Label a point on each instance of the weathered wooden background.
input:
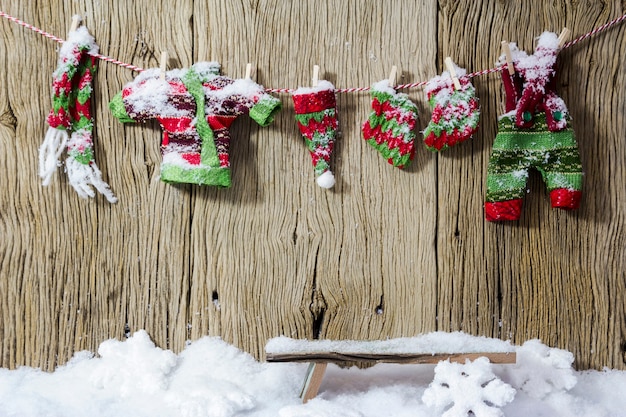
(387, 253)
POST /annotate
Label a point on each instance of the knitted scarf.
(70, 121)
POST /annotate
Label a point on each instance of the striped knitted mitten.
(316, 114)
(70, 121)
(389, 128)
(455, 112)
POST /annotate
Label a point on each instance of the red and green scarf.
(70, 120)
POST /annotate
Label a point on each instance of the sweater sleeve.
(265, 109)
(119, 109)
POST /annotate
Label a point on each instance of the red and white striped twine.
(595, 31)
(59, 40)
(291, 90)
(116, 62)
(31, 27)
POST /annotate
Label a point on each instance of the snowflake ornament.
(467, 389)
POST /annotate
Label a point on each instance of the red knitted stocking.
(316, 115)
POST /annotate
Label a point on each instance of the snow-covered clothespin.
(564, 37)
(316, 75)
(392, 76)
(452, 71)
(248, 75)
(75, 23)
(163, 65)
(506, 50)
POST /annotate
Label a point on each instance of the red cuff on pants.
(503, 210)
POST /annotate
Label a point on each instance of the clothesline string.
(290, 90)
(61, 41)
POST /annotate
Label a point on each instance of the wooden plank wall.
(386, 253)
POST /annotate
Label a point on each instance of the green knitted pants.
(515, 150)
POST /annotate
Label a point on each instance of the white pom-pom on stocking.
(326, 180)
(50, 152)
(82, 177)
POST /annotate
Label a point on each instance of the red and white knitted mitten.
(455, 111)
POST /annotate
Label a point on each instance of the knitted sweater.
(195, 108)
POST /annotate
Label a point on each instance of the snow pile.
(430, 343)
(213, 379)
(540, 370)
(149, 96)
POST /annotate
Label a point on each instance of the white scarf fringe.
(50, 152)
(82, 177)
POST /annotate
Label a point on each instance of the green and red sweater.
(195, 108)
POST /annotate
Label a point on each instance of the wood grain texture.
(386, 253)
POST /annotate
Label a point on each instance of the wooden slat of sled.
(319, 361)
(424, 358)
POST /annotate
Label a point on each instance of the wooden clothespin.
(316, 75)
(392, 76)
(452, 71)
(248, 75)
(506, 50)
(565, 35)
(75, 23)
(163, 65)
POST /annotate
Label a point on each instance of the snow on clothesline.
(290, 90)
